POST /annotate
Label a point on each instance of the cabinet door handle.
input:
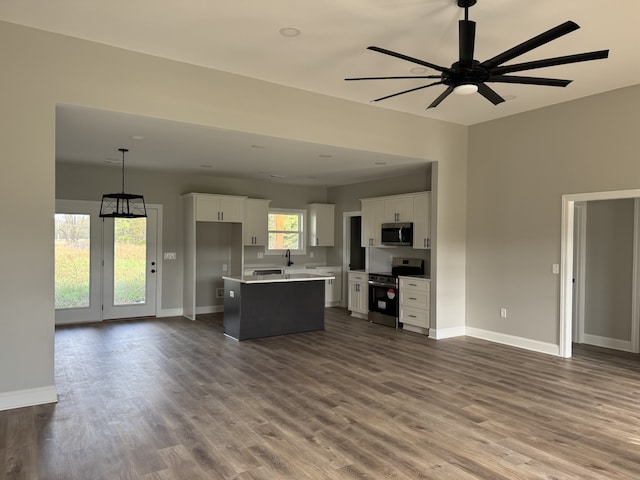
(428, 242)
(413, 298)
(413, 316)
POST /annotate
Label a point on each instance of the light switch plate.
(169, 255)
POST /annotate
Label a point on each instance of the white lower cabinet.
(415, 304)
(358, 294)
(333, 288)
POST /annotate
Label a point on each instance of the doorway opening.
(567, 299)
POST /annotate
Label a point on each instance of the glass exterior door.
(130, 266)
(78, 254)
(103, 269)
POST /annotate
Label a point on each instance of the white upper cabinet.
(372, 218)
(219, 208)
(321, 224)
(256, 220)
(410, 207)
(422, 221)
(398, 209)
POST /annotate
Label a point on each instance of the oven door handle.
(378, 284)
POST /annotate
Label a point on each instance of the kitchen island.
(257, 306)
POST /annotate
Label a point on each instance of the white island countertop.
(287, 277)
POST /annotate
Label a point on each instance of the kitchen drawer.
(419, 284)
(414, 299)
(414, 316)
(358, 277)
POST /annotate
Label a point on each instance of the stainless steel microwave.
(397, 234)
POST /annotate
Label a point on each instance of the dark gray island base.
(257, 307)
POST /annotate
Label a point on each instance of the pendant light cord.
(123, 150)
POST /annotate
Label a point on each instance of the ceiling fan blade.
(393, 78)
(407, 91)
(488, 93)
(467, 37)
(441, 97)
(530, 44)
(409, 59)
(549, 82)
(551, 62)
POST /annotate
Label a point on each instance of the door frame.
(94, 206)
(346, 236)
(580, 259)
(567, 236)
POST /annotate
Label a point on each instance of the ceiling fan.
(468, 76)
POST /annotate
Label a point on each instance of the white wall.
(41, 69)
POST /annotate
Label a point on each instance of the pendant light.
(122, 205)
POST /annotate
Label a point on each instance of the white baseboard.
(605, 342)
(363, 316)
(520, 342)
(442, 333)
(28, 398)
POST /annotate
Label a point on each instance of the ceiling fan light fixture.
(466, 89)
(122, 205)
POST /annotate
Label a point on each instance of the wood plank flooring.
(175, 399)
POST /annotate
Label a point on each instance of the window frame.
(303, 219)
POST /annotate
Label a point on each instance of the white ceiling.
(242, 36)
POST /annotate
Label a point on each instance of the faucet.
(287, 255)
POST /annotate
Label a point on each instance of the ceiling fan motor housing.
(465, 74)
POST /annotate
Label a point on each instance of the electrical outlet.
(503, 312)
(224, 267)
(310, 254)
(260, 255)
(219, 292)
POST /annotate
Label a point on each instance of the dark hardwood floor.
(175, 399)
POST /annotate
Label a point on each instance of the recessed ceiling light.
(509, 97)
(380, 163)
(273, 175)
(290, 32)
(138, 137)
(257, 146)
(206, 166)
(113, 161)
(324, 155)
(418, 70)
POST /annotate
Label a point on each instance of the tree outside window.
(286, 230)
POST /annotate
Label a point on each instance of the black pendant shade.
(122, 205)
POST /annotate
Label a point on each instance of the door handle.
(153, 270)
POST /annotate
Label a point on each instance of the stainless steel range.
(384, 292)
